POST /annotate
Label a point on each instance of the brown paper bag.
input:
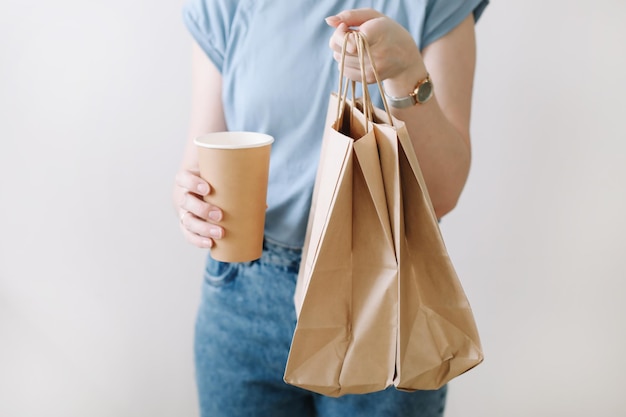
(342, 345)
(437, 337)
(378, 300)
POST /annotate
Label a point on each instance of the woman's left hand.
(396, 55)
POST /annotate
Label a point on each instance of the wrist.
(403, 84)
(421, 92)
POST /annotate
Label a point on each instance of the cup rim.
(233, 140)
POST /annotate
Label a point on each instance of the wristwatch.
(422, 93)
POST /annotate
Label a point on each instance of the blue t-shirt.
(278, 72)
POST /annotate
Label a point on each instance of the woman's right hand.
(199, 221)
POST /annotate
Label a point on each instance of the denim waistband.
(281, 256)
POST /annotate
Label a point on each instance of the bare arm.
(198, 219)
(439, 128)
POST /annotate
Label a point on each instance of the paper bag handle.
(342, 90)
(362, 49)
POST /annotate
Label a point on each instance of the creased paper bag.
(378, 300)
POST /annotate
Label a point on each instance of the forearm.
(442, 151)
(207, 114)
(439, 128)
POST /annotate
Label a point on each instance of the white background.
(98, 290)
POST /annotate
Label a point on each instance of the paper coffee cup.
(236, 165)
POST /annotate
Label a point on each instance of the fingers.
(190, 180)
(354, 17)
(194, 238)
(198, 219)
(198, 231)
(352, 68)
(196, 228)
(200, 208)
(194, 188)
(337, 40)
(393, 49)
(352, 60)
(344, 21)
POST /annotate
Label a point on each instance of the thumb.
(354, 17)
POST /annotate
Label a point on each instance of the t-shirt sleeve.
(209, 22)
(444, 15)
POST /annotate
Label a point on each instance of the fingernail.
(215, 232)
(203, 189)
(332, 19)
(215, 215)
(206, 243)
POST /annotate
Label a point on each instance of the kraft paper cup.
(236, 165)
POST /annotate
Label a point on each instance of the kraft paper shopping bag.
(335, 328)
(378, 300)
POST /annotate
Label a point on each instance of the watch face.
(424, 92)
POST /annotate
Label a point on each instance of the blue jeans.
(243, 333)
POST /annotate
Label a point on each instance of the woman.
(265, 66)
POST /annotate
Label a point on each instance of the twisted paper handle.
(363, 50)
